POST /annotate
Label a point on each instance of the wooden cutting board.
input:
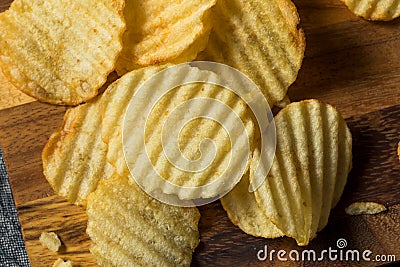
(350, 63)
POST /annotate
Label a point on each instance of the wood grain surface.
(350, 63)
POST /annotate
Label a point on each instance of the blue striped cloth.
(12, 246)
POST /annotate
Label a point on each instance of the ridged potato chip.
(74, 158)
(259, 38)
(244, 211)
(114, 104)
(159, 32)
(189, 138)
(309, 171)
(61, 52)
(358, 208)
(375, 9)
(129, 228)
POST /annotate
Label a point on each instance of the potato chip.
(358, 208)
(309, 171)
(115, 101)
(163, 31)
(129, 228)
(190, 137)
(375, 9)
(74, 158)
(61, 52)
(259, 38)
(244, 211)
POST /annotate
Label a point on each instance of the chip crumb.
(50, 240)
(61, 263)
(358, 208)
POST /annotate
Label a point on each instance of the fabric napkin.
(12, 246)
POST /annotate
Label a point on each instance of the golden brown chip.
(244, 211)
(261, 39)
(74, 158)
(114, 104)
(358, 208)
(61, 52)
(309, 171)
(189, 138)
(129, 228)
(163, 31)
(375, 9)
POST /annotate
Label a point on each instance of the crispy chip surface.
(164, 31)
(61, 52)
(259, 38)
(189, 138)
(74, 158)
(129, 228)
(358, 208)
(244, 211)
(375, 9)
(309, 171)
(115, 101)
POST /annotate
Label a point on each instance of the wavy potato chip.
(129, 228)
(114, 104)
(244, 211)
(190, 137)
(358, 208)
(375, 9)
(309, 171)
(259, 38)
(61, 52)
(159, 32)
(74, 158)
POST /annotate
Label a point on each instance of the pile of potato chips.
(62, 53)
